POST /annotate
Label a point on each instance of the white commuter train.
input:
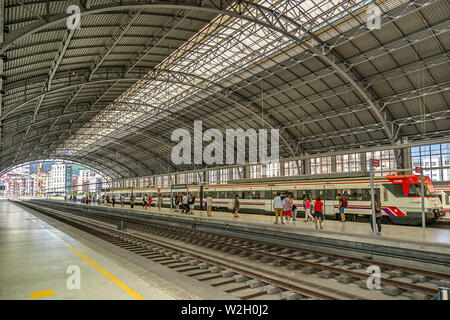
(444, 195)
(400, 196)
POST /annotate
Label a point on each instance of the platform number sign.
(418, 169)
(375, 163)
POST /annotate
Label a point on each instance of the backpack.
(344, 202)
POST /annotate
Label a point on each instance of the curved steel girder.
(272, 18)
(90, 163)
(161, 76)
(112, 141)
(108, 165)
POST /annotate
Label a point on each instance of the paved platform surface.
(429, 239)
(35, 257)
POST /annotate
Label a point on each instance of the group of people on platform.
(283, 205)
(286, 210)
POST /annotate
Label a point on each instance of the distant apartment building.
(57, 178)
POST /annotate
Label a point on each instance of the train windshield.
(410, 186)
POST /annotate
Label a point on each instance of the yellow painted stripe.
(107, 274)
(41, 294)
(92, 263)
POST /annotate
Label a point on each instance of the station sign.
(179, 186)
(418, 169)
(375, 163)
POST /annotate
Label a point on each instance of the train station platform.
(42, 262)
(431, 244)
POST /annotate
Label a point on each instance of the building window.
(255, 171)
(320, 165)
(291, 169)
(431, 158)
(223, 176)
(238, 173)
(387, 162)
(273, 169)
(212, 176)
(348, 162)
(182, 178)
(191, 177)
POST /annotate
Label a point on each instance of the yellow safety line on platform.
(41, 294)
(92, 263)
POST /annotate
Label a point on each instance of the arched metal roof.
(111, 93)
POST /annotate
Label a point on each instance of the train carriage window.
(222, 195)
(413, 190)
(330, 194)
(356, 195)
(255, 194)
(366, 194)
(213, 194)
(268, 194)
(385, 195)
(446, 199)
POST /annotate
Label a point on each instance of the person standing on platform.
(113, 200)
(318, 214)
(107, 200)
(342, 205)
(209, 202)
(121, 200)
(132, 201)
(185, 203)
(236, 206)
(278, 208)
(150, 199)
(293, 208)
(159, 201)
(287, 206)
(144, 201)
(308, 209)
(177, 203)
(377, 214)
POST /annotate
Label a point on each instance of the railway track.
(248, 277)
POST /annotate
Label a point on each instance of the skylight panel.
(234, 46)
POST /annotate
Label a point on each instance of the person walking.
(113, 200)
(278, 208)
(209, 202)
(377, 214)
(121, 200)
(177, 203)
(160, 201)
(287, 206)
(236, 206)
(293, 208)
(149, 201)
(342, 205)
(144, 201)
(107, 200)
(308, 209)
(318, 214)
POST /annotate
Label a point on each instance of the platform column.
(362, 159)
(333, 164)
(406, 159)
(307, 166)
(247, 172)
(282, 173)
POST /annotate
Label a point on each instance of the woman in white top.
(209, 205)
